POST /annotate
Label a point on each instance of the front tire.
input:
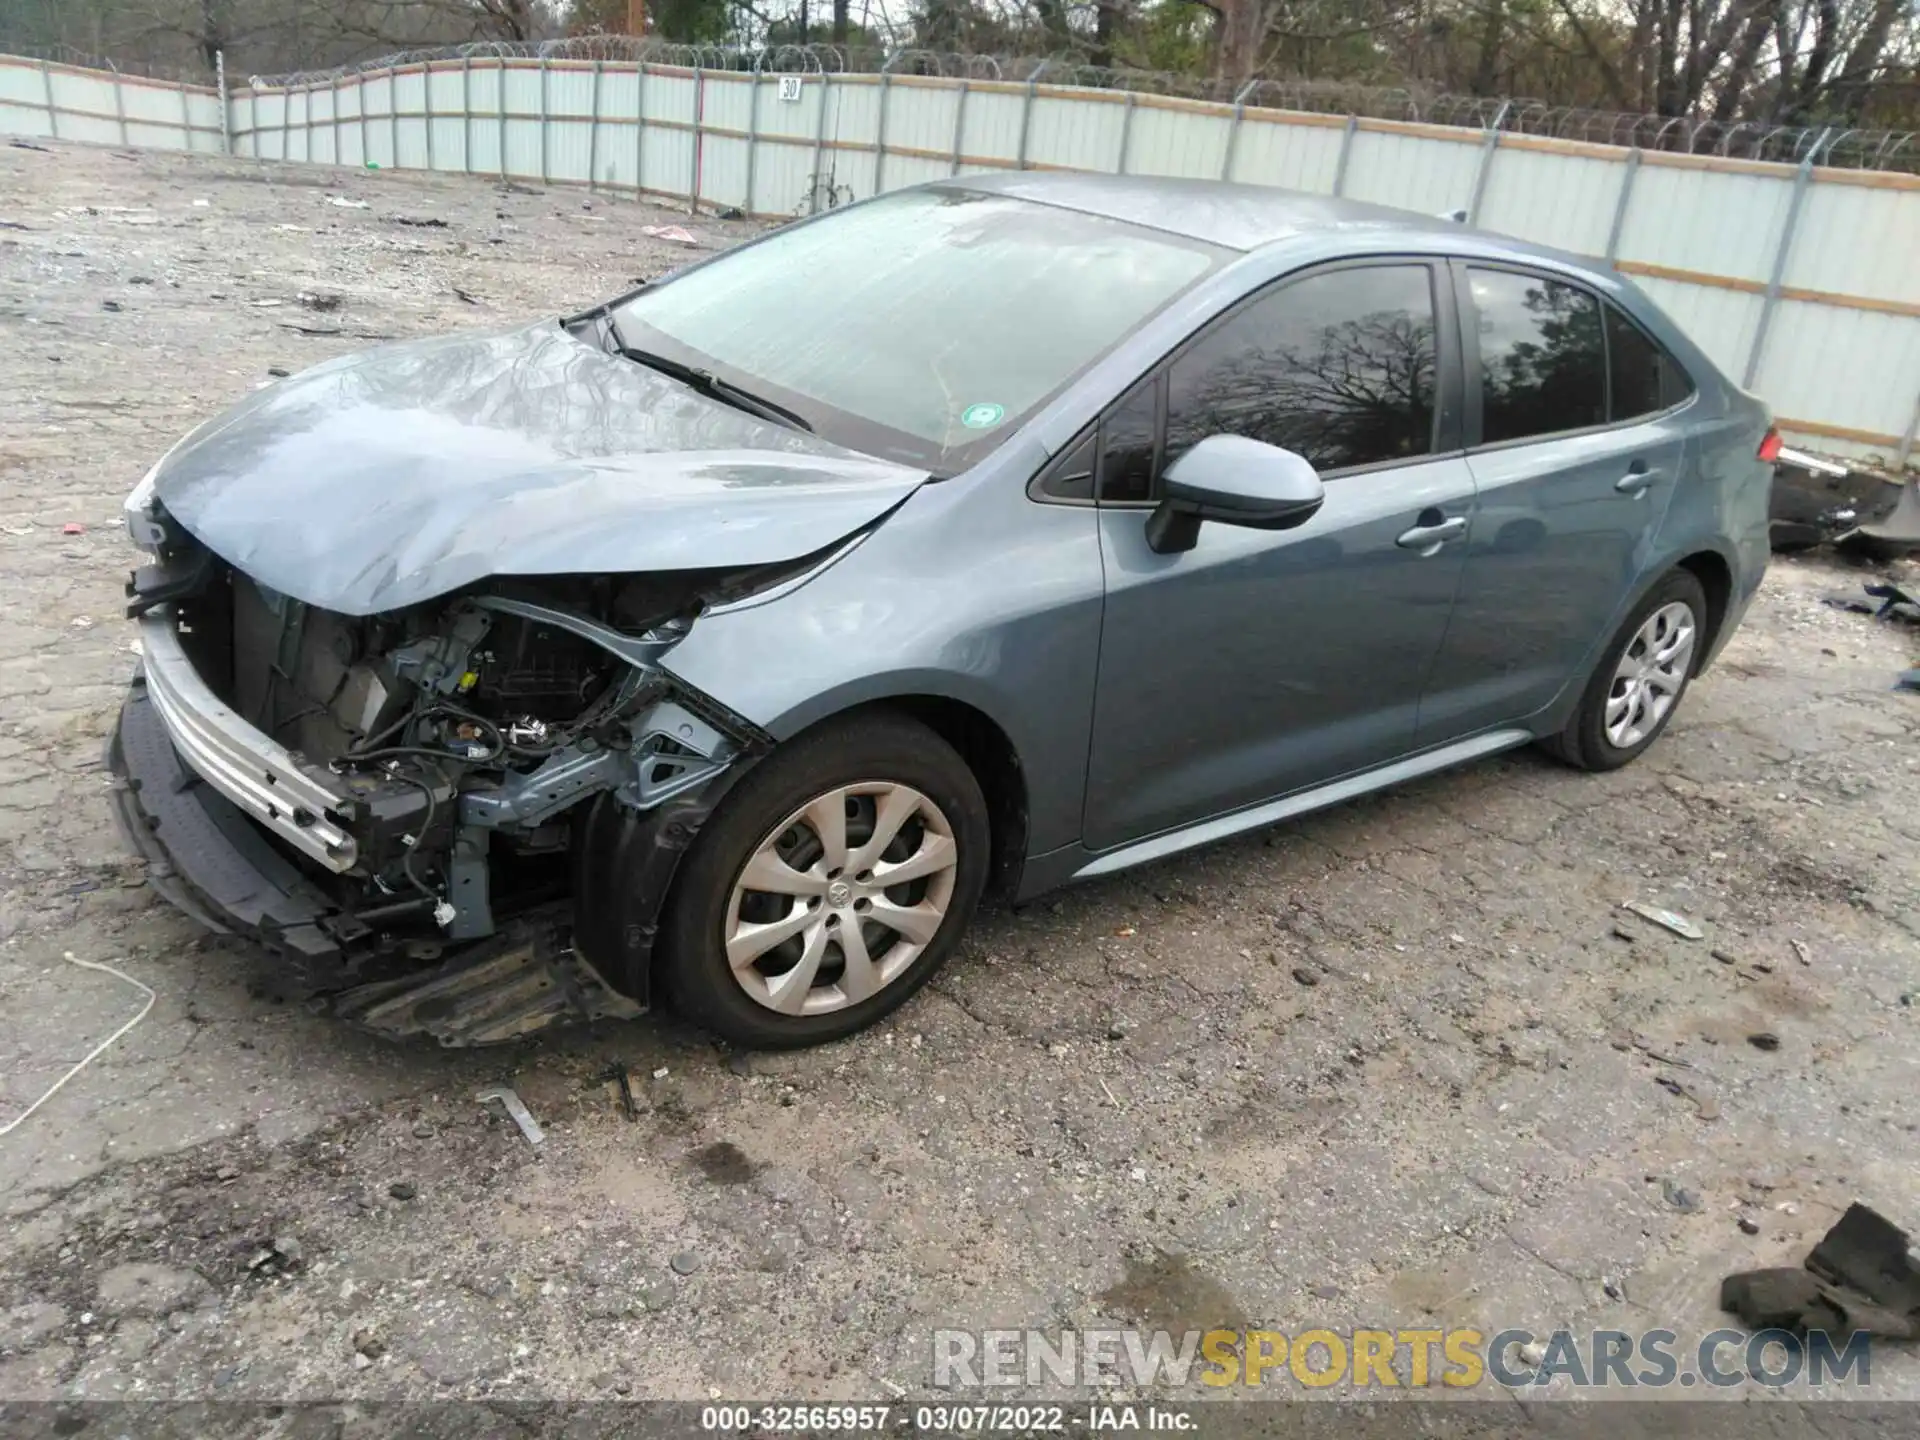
(828, 886)
(1643, 673)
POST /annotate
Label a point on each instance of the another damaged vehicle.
(731, 638)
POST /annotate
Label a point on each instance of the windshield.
(922, 326)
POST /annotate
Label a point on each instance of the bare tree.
(1710, 57)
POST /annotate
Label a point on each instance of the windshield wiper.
(708, 383)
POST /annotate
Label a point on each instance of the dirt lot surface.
(1402, 1063)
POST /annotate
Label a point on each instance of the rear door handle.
(1637, 479)
(1428, 539)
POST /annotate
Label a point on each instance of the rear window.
(1644, 377)
(1543, 357)
(922, 326)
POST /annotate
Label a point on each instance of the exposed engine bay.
(469, 740)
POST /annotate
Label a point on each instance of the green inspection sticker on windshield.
(982, 417)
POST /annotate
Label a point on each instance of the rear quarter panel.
(1722, 502)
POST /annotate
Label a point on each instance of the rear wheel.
(1636, 689)
(829, 886)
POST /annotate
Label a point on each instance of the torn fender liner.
(1861, 1276)
(515, 984)
(387, 478)
(624, 862)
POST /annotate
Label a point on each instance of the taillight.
(1770, 446)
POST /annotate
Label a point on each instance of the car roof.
(1246, 217)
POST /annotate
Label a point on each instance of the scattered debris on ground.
(1883, 600)
(1860, 1277)
(516, 1110)
(1665, 919)
(677, 234)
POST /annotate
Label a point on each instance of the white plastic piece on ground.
(1800, 459)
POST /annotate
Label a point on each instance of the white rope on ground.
(93, 1054)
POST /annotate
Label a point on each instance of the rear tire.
(788, 925)
(1635, 691)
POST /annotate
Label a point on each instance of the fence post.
(1619, 226)
(753, 135)
(693, 170)
(543, 119)
(286, 122)
(186, 121)
(1026, 116)
(593, 129)
(393, 117)
(959, 124)
(426, 109)
(1126, 135)
(120, 105)
(1346, 154)
(360, 104)
(880, 139)
(1233, 126)
(500, 104)
(226, 115)
(53, 115)
(466, 114)
(333, 114)
(640, 131)
(1802, 178)
(819, 146)
(1485, 168)
(1233, 140)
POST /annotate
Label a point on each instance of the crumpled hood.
(386, 478)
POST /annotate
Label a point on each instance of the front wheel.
(829, 886)
(1640, 679)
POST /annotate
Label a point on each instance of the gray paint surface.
(383, 479)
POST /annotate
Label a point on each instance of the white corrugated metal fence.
(1802, 282)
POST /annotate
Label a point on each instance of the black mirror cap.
(1279, 514)
(1174, 525)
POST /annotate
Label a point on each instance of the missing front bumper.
(209, 860)
(255, 773)
(204, 855)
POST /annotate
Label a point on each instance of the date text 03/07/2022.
(945, 1419)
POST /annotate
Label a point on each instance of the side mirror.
(1235, 481)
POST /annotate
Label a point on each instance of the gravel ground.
(1402, 1063)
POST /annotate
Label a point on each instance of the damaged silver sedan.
(733, 637)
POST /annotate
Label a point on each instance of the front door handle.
(1428, 539)
(1637, 479)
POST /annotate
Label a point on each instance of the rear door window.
(1643, 377)
(1543, 356)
